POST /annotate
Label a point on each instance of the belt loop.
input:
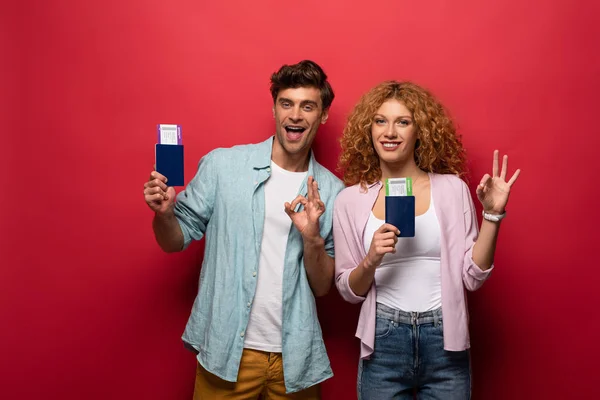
(396, 316)
(436, 318)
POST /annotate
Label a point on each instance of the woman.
(413, 323)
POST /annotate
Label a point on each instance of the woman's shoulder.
(351, 195)
(348, 193)
(448, 181)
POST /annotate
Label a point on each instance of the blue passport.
(400, 212)
(169, 162)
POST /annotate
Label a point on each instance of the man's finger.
(298, 200)
(157, 183)
(156, 198)
(309, 188)
(288, 209)
(154, 190)
(158, 175)
(316, 194)
(319, 205)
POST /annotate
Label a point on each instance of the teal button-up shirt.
(225, 201)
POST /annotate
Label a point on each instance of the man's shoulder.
(327, 179)
(234, 154)
(237, 149)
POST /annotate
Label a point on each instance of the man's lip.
(294, 136)
(294, 126)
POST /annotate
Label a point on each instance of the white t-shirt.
(264, 327)
(410, 279)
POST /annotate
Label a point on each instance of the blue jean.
(409, 359)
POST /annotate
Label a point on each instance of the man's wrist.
(164, 217)
(314, 241)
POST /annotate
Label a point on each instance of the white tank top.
(410, 279)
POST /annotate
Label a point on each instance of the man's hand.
(159, 197)
(307, 220)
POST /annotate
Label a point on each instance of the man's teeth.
(390, 144)
(294, 129)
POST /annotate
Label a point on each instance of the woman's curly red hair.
(439, 148)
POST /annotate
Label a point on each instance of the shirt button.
(248, 304)
(269, 169)
(242, 334)
(254, 273)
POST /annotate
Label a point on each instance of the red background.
(90, 308)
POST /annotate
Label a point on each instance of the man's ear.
(324, 116)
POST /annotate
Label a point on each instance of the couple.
(273, 218)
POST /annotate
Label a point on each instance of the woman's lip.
(397, 144)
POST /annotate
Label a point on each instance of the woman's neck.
(404, 170)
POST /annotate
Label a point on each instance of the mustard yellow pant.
(260, 374)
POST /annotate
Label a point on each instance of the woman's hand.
(384, 242)
(493, 191)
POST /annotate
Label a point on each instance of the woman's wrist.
(493, 215)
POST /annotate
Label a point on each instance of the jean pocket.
(383, 327)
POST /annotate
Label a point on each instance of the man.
(254, 322)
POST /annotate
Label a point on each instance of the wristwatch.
(493, 217)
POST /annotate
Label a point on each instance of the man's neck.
(291, 162)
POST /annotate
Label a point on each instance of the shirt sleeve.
(195, 203)
(344, 244)
(329, 243)
(473, 276)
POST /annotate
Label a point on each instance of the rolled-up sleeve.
(337, 186)
(344, 242)
(473, 276)
(195, 203)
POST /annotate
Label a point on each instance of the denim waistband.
(410, 318)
